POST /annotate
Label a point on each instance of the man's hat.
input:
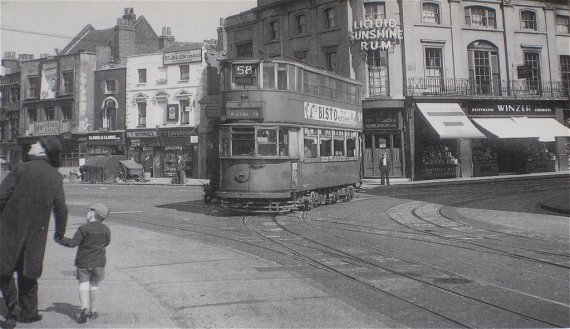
(51, 144)
(100, 209)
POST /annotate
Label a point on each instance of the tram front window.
(267, 141)
(243, 141)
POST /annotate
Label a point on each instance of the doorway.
(377, 144)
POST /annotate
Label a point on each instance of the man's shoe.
(30, 319)
(93, 315)
(12, 316)
(82, 317)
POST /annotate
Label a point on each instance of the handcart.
(129, 170)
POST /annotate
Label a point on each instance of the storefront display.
(435, 161)
(484, 158)
(176, 142)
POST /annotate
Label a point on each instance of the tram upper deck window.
(267, 141)
(283, 141)
(244, 75)
(243, 140)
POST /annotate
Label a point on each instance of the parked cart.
(129, 170)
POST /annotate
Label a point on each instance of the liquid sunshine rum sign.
(375, 34)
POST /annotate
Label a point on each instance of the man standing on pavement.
(384, 170)
(180, 170)
(28, 195)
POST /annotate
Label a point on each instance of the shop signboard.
(142, 133)
(105, 138)
(511, 108)
(176, 136)
(42, 128)
(243, 113)
(384, 120)
(183, 56)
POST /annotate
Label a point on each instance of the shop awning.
(545, 129)
(449, 120)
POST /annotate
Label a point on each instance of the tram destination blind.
(245, 74)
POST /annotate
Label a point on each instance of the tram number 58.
(244, 70)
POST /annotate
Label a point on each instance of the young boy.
(92, 238)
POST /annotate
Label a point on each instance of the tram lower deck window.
(243, 141)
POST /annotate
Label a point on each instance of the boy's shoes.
(93, 315)
(30, 319)
(83, 316)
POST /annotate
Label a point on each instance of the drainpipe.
(505, 40)
(407, 106)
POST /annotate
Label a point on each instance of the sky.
(40, 26)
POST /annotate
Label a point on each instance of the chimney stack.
(166, 39)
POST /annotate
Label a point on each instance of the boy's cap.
(100, 209)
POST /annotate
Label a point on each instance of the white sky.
(190, 20)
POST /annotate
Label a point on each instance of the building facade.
(9, 110)
(61, 95)
(437, 76)
(164, 91)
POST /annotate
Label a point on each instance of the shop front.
(524, 137)
(104, 144)
(143, 147)
(383, 135)
(174, 142)
(443, 141)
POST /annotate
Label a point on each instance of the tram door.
(377, 144)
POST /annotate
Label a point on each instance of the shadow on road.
(200, 207)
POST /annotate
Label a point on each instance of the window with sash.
(273, 30)
(565, 73)
(533, 80)
(142, 75)
(374, 10)
(329, 18)
(33, 87)
(184, 72)
(484, 68)
(301, 24)
(377, 62)
(480, 17)
(430, 13)
(67, 78)
(563, 24)
(142, 114)
(528, 20)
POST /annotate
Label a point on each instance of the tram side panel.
(319, 175)
(256, 178)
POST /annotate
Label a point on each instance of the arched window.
(480, 17)
(484, 68)
(109, 114)
(528, 20)
(430, 13)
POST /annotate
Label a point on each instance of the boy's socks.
(93, 292)
(84, 295)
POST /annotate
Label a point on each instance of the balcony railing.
(475, 88)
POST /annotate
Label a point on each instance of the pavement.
(213, 286)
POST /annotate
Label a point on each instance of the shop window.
(377, 61)
(49, 113)
(484, 68)
(565, 73)
(300, 24)
(329, 18)
(67, 78)
(480, 17)
(374, 10)
(184, 72)
(528, 20)
(141, 114)
(562, 24)
(533, 80)
(142, 75)
(430, 13)
(33, 87)
(244, 49)
(243, 141)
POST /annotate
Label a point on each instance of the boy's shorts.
(90, 274)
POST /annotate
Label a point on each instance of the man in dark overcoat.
(28, 195)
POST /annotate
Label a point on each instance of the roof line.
(88, 28)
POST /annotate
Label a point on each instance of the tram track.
(329, 251)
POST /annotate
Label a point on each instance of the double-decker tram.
(289, 137)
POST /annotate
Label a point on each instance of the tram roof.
(307, 67)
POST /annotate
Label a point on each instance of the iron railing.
(475, 88)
